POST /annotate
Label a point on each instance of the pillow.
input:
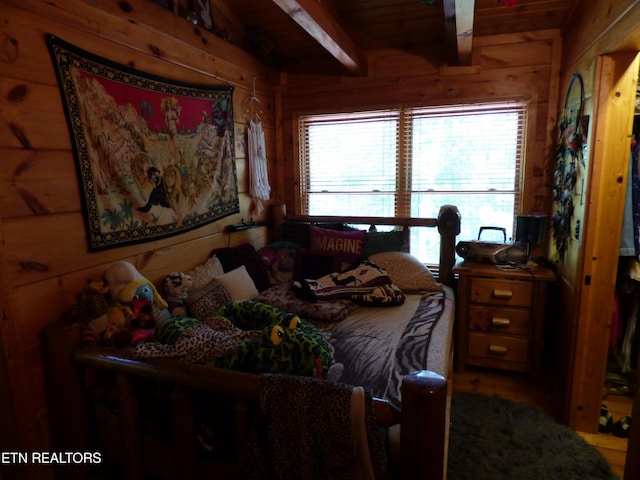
(407, 272)
(205, 302)
(299, 232)
(315, 264)
(239, 284)
(348, 245)
(203, 274)
(376, 242)
(280, 259)
(245, 254)
(283, 297)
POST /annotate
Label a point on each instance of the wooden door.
(614, 92)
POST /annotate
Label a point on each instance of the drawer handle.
(502, 294)
(498, 350)
(500, 322)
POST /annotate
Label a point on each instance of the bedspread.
(378, 346)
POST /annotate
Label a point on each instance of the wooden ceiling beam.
(318, 22)
(458, 21)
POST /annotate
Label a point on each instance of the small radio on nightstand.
(490, 252)
(493, 252)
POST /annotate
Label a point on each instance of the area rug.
(495, 439)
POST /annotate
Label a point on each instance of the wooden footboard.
(72, 370)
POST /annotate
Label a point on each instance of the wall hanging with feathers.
(569, 157)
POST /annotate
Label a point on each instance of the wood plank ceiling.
(317, 36)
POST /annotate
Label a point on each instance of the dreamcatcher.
(569, 156)
(259, 188)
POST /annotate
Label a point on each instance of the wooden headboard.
(447, 223)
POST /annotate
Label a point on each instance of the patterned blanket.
(309, 429)
(379, 346)
(365, 282)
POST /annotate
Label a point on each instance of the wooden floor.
(520, 388)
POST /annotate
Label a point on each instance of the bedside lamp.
(531, 229)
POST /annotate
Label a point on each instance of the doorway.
(588, 287)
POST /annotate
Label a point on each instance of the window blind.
(349, 163)
(410, 161)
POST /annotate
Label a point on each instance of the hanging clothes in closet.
(624, 332)
(630, 238)
(259, 187)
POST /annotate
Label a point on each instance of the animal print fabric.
(282, 296)
(365, 283)
(197, 342)
(309, 435)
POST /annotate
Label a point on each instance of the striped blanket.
(379, 346)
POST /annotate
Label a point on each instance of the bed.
(152, 417)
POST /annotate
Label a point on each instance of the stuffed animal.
(176, 290)
(91, 310)
(289, 344)
(118, 331)
(137, 298)
(254, 338)
(195, 341)
(125, 283)
(93, 303)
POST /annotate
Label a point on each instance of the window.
(409, 162)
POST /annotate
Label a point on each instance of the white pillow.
(238, 284)
(407, 272)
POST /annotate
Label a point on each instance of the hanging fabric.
(259, 187)
(629, 338)
(635, 195)
(629, 237)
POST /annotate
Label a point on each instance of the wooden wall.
(44, 259)
(600, 43)
(37, 162)
(522, 66)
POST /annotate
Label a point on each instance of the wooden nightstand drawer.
(501, 292)
(513, 321)
(500, 316)
(499, 347)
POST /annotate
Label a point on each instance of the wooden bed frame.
(72, 368)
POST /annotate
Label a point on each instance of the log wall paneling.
(45, 261)
(517, 66)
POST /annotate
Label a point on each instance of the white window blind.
(350, 163)
(410, 161)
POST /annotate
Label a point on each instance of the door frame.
(614, 93)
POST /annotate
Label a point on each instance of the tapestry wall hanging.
(154, 157)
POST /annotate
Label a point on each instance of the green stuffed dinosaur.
(246, 336)
(288, 345)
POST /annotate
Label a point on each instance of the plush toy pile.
(246, 336)
(124, 309)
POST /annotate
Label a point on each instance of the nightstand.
(500, 316)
